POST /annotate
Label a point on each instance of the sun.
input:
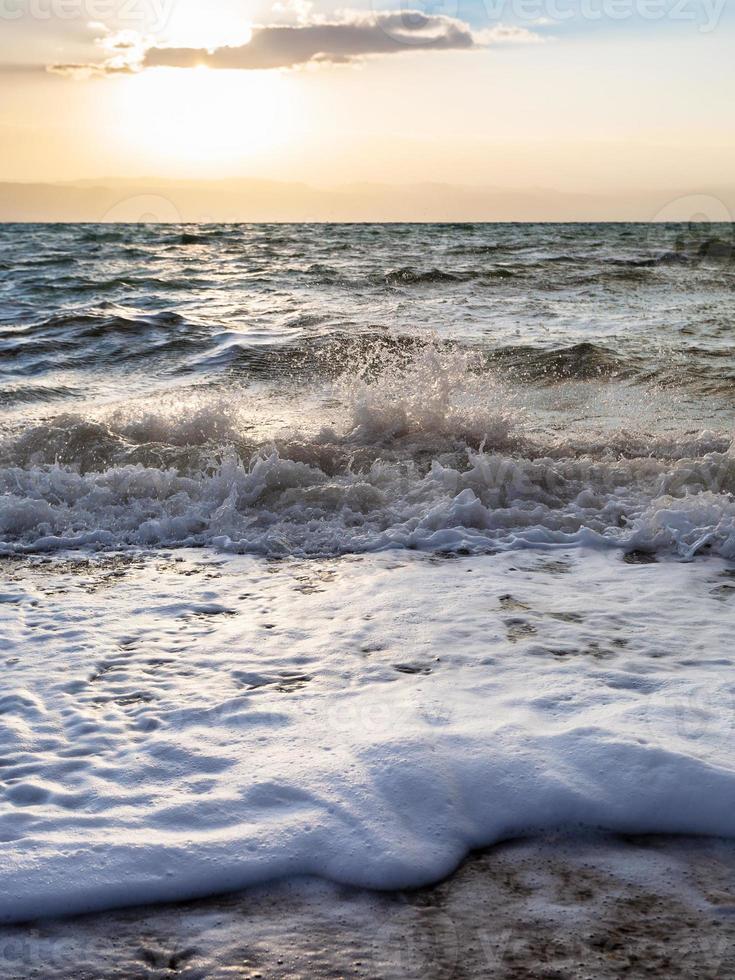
(205, 120)
(191, 24)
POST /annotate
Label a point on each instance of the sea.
(345, 550)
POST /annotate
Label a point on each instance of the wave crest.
(426, 451)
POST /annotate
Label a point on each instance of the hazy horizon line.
(237, 200)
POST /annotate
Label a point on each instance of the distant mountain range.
(246, 199)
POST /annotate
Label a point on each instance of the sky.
(594, 96)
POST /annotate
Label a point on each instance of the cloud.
(285, 46)
(123, 51)
(83, 72)
(502, 34)
(354, 35)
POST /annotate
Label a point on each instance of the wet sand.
(552, 909)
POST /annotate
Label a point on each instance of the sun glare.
(189, 25)
(203, 119)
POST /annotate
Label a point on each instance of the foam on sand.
(175, 726)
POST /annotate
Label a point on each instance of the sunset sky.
(593, 96)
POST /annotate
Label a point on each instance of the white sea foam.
(426, 453)
(173, 728)
(276, 505)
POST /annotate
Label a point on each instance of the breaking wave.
(425, 452)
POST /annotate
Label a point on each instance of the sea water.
(343, 550)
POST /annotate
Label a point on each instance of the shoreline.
(548, 908)
(167, 737)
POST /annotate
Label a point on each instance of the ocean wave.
(428, 455)
(91, 342)
(434, 277)
(668, 258)
(200, 237)
(103, 234)
(275, 506)
(717, 248)
(422, 277)
(93, 323)
(483, 249)
(313, 347)
(584, 361)
(34, 391)
(405, 276)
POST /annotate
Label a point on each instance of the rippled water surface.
(319, 389)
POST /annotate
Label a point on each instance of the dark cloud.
(354, 35)
(85, 71)
(288, 46)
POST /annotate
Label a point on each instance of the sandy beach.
(553, 909)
